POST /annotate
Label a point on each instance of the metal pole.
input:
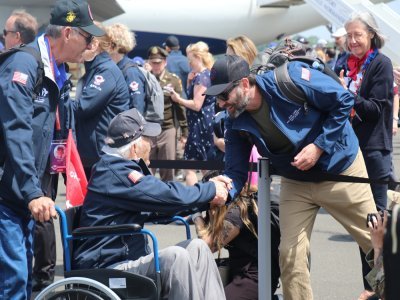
(264, 230)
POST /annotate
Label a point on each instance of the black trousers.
(391, 257)
(44, 251)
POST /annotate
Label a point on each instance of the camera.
(372, 216)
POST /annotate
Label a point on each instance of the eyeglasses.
(356, 36)
(224, 96)
(88, 38)
(5, 32)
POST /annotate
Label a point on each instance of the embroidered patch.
(20, 77)
(134, 176)
(305, 74)
(134, 86)
(98, 79)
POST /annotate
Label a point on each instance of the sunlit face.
(358, 38)
(12, 38)
(157, 67)
(74, 43)
(195, 62)
(236, 103)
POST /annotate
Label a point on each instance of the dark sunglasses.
(5, 32)
(88, 38)
(224, 96)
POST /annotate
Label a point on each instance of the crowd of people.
(212, 109)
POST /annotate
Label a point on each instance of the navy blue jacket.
(374, 106)
(103, 96)
(27, 126)
(122, 192)
(325, 123)
(178, 64)
(136, 83)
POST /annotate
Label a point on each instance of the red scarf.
(354, 63)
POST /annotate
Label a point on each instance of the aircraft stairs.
(338, 11)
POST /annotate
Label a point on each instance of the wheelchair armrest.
(106, 230)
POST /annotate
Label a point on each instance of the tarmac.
(335, 260)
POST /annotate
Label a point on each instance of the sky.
(323, 33)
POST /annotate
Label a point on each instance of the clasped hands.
(222, 186)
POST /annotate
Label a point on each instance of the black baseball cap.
(171, 41)
(128, 126)
(225, 72)
(74, 13)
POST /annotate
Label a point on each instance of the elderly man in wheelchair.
(123, 191)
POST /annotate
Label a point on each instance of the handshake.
(222, 186)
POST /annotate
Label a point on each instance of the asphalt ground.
(335, 260)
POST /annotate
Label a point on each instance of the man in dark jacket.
(188, 270)
(27, 125)
(302, 142)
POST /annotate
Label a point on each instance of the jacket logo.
(98, 79)
(42, 96)
(294, 115)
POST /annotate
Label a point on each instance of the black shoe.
(38, 285)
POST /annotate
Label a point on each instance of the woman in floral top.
(200, 109)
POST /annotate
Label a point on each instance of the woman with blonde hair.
(242, 46)
(235, 228)
(101, 95)
(122, 42)
(200, 109)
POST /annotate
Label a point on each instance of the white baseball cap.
(339, 33)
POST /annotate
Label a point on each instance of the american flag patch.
(20, 77)
(134, 176)
(305, 74)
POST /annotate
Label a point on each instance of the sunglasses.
(224, 96)
(5, 32)
(88, 38)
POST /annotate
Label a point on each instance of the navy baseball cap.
(128, 126)
(74, 13)
(225, 72)
(171, 41)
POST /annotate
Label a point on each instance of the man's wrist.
(395, 119)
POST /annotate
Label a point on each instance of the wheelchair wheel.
(77, 288)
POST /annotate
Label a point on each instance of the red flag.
(76, 186)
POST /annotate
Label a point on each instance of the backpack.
(278, 58)
(154, 108)
(38, 85)
(36, 54)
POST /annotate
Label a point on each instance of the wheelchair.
(104, 284)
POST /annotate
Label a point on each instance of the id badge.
(58, 154)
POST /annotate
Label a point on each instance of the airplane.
(212, 21)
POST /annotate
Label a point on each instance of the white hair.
(123, 151)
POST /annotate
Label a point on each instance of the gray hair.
(378, 40)
(54, 31)
(25, 24)
(123, 151)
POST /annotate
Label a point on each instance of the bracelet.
(395, 119)
(196, 215)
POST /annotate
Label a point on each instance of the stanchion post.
(264, 229)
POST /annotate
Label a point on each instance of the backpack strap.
(287, 86)
(128, 65)
(40, 71)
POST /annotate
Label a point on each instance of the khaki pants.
(348, 203)
(164, 149)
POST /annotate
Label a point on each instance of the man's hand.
(42, 209)
(221, 194)
(307, 157)
(224, 179)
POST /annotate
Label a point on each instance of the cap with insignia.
(74, 13)
(128, 126)
(156, 54)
